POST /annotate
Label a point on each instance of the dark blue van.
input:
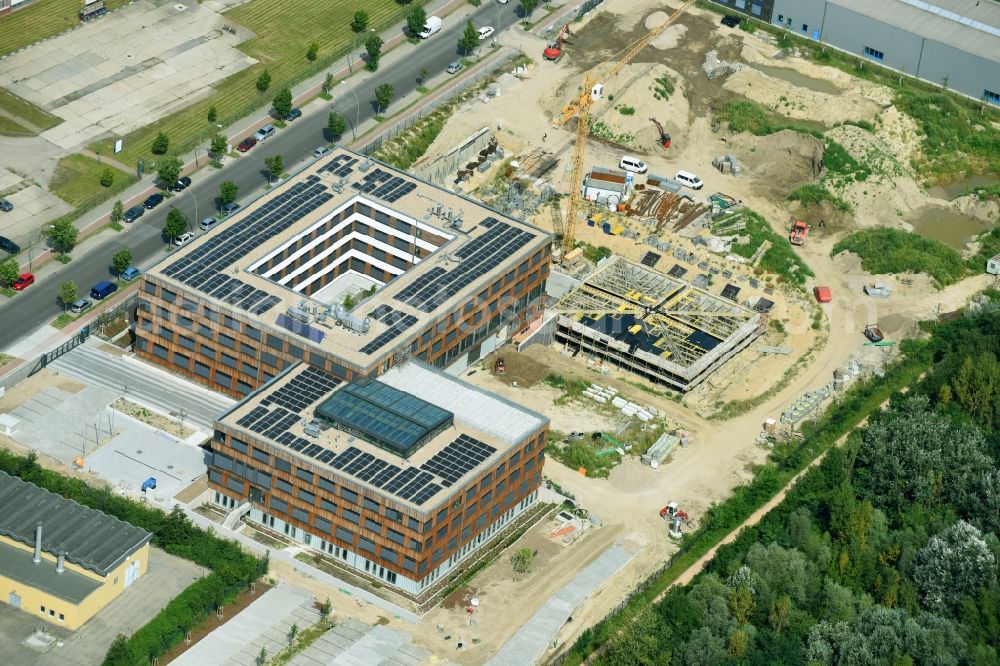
(103, 289)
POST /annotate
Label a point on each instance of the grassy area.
(40, 20)
(23, 109)
(747, 116)
(77, 181)
(780, 259)
(5, 359)
(891, 251)
(280, 52)
(402, 151)
(9, 128)
(583, 453)
(814, 193)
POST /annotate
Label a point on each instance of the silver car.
(80, 305)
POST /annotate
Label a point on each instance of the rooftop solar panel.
(304, 390)
(458, 458)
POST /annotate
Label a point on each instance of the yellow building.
(61, 561)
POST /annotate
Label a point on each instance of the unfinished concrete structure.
(658, 326)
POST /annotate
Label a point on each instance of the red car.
(246, 144)
(23, 280)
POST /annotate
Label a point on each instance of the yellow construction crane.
(580, 109)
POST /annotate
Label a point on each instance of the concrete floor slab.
(65, 425)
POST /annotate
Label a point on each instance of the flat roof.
(343, 225)
(90, 538)
(483, 428)
(69, 585)
(967, 25)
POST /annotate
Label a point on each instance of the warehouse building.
(950, 43)
(398, 478)
(655, 325)
(60, 561)
(350, 266)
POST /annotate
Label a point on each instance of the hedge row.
(232, 568)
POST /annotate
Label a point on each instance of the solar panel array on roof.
(384, 185)
(300, 328)
(341, 165)
(410, 484)
(479, 256)
(731, 291)
(302, 391)
(203, 267)
(389, 418)
(650, 259)
(458, 458)
(398, 322)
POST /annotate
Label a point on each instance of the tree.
(121, 260)
(325, 609)
(169, 170)
(107, 177)
(161, 144)
(63, 235)
(175, 225)
(328, 83)
(373, 46)
(283, 102)
(293, 631)
(416, 19)
(264, 81)
(423, 74)
(526, 7)
(313, 52)
(336, 124)
(360, 22)
(521, 560)
(67, 293)
(117, 212)
(778, 615)
(469, 39)
(218, 145)
(383, 95)
(8, 271)
(275, 166)
(118, 652)
(954, 563)
(213, 115)
(227, 192)
(262, 657)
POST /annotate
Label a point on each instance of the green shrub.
(890, 251)
(780, 259)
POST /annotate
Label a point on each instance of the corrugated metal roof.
(90, 538)
(958, 23)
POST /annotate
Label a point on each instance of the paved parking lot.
(65, 425)
(167, 576)
(128, 69)
(32, 202)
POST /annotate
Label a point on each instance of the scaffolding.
(661, 327)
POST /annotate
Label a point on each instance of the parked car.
(485, 32)
(183, 238)
(293, 114)
(730, 21)
(23, 280)
(455, 67)
(321, 151)
(208, 223)
(8, 245)
(103, 289)
(181, 185)
(230, 208)
(80, 305)
(246, 144)
(633, 164)
(130, 274)
(6, 206)
(264, 133)
(152, 201)
(688, 179)
(133, 214)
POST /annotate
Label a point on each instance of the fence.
(432, 105)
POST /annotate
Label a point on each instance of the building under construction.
(658, 326)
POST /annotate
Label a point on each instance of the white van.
(264, 132)
(688, 179)
(633, 164)
(433, 25)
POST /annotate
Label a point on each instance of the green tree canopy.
(175, 225)
(416, 18)
(469, 39)
(360, 21)
(373, 47)
(9, 271)
(283, 102)
(63, 235)
(227, 192)
(121, 260)
(161, 144)
(169, 170)
(383, 95)
(264, 81)
(336, 124)
(67, 293)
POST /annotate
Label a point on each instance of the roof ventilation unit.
(311, 429)
(349, 321)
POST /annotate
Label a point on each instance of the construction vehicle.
(874, 333)
(673, 510)
(580, 109)
(554, 50)
(664, 137)
(797, 236)
(499, 367)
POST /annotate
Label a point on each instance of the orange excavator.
(664, 137)
(554, 50)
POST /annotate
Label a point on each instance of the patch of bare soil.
(780, 162)
(149, 417)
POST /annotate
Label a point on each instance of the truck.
(432, 25)
(798, 234)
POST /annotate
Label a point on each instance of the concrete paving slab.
(65, 425)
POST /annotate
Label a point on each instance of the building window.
(43, 610)
(62, 617)
(873, 54)
(352, 516)
(755, 10)
(781, 18)
(370, 505)
(991, 96)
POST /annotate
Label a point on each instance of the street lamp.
(354, 46)
(357, 112)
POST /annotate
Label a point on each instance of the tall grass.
(893, 251)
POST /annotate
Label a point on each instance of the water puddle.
(959, 187)
(799, 79)
(946, 225)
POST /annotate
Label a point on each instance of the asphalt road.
(355, 100)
